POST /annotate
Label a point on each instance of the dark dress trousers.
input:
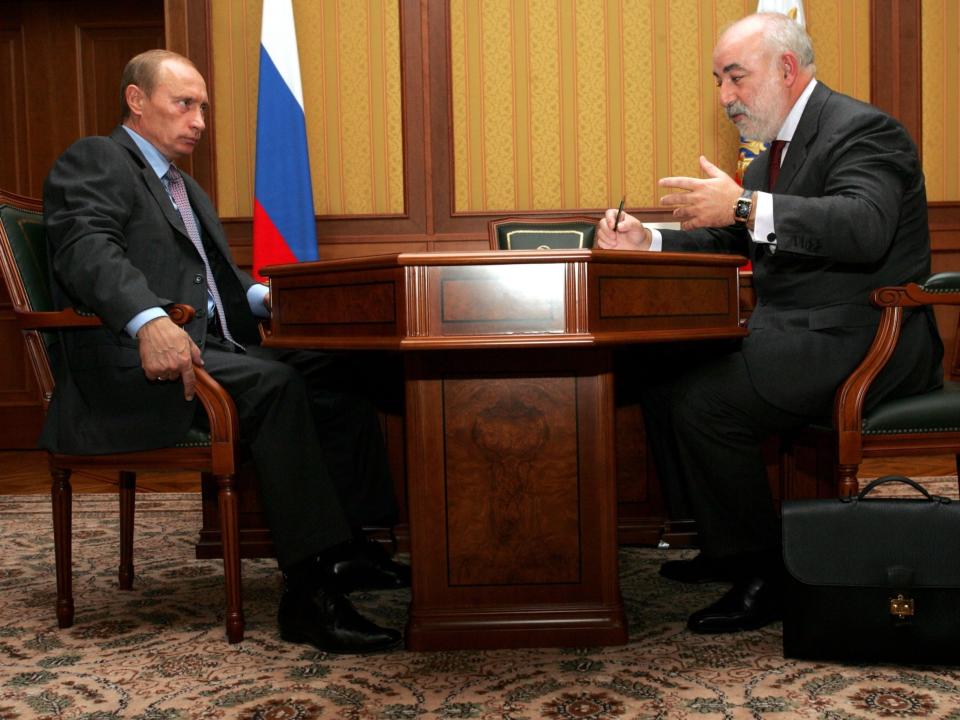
(118, 246)
(850, 213)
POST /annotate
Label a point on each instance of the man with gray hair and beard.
(836, 208)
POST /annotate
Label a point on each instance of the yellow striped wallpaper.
(554, 103)
(941, 97)
(573, 103)
(350, 69)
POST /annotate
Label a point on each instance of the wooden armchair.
(23, 257)
(926, 424)
(541, 233)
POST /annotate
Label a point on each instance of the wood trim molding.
(187, 29)
(943, 217)
(895, 62)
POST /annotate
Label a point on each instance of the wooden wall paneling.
(68, 45)
(945, 241)
(14, 156)
(21, 411)
(52, 99)
(895, 62)
(102, 49)
(440, 128)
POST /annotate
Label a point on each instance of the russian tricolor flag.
(284, 229)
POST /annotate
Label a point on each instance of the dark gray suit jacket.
(117, 247)
(850, 213)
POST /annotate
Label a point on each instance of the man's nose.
(727, 96)
(197, 122)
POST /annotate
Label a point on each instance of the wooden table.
(508, 417)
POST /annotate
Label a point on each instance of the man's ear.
(790, 68)
(135, 97)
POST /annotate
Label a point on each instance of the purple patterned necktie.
(178, 192)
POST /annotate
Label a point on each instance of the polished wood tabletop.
(420, 301)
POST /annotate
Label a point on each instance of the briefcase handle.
(906, 481)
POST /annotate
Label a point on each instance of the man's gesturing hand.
(168, 353)
(708, 201)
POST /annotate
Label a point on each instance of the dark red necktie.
(776, 152)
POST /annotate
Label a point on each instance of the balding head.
(778, 33)
(143, 70)
(762, 64)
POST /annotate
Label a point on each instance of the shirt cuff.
(763, 231)
(255, 295)
(142, 318)
(656, 240)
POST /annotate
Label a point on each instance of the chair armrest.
(217, 403)
(939, 289)
(69, 318)
(222, 417)
(849, 400)
(59, 320)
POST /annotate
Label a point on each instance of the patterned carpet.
(159, 653)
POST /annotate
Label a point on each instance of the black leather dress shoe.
(748, 605)
(328, 621)
(695, 570)
(366, 565)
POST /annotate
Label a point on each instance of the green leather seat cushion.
(197, 436)
(937, 411)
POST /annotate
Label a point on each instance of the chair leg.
(847, 484)
(128, 496)
(61, 496)
(230, 539)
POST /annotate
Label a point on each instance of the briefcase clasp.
(901, 606)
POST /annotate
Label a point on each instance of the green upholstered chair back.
(26, 270)
(535, 233)
(25, 240)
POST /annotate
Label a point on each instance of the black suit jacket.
(850, 214)
(118, 247)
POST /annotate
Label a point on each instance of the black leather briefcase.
(873, 579)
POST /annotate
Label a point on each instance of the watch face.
(742, 209)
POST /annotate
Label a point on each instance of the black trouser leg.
(350, 436)
(299, 498)
(718, 423)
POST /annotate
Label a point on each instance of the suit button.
(197, 279)
(200, 314)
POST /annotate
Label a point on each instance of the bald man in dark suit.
(846, 214)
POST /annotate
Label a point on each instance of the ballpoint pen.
(619, 213)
